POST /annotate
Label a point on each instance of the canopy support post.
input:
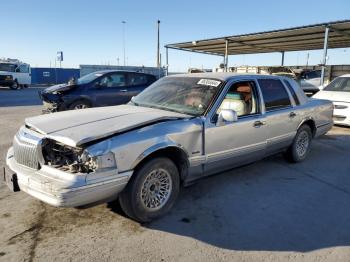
(282, 61)
(324, 61)
(226, 55)
(167, 61)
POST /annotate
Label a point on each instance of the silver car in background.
(179, 129)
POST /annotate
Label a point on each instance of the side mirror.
(227, 116)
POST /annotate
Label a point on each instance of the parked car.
(338, 91)
(181, 128)
(14, 73)
(310, 81)
(102, 88)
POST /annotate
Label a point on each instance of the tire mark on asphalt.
(35, 236)
(34, 230)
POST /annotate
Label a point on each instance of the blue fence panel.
(50, 76)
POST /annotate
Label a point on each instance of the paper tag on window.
(209, 82)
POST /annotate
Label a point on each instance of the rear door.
(111, 89)
(137, 82)
(282, 117)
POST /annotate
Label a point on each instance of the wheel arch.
(81, 98)
(311, 123)
(175, 153)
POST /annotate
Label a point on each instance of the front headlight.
(75, 160)
(99, 162)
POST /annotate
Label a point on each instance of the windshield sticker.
(209, 82)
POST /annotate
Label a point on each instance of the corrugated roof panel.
(291, 39)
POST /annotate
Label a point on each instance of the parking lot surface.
(267, 211)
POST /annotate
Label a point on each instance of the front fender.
(156, 148)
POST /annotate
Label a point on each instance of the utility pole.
(158, 54)
(124, 22)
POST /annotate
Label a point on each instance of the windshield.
(8, 67)
(341, 84)
(88, 78)
(187, 95)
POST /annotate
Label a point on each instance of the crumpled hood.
(77, 127)
(58, 88)
(334, 96)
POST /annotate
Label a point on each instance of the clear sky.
(90, 32)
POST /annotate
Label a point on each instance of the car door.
(110, 89)
(282, 117)
(137, 82)
(240, 142)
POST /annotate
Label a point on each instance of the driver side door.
(236, 143)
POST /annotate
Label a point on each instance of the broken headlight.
(75, 160)
(99, 162)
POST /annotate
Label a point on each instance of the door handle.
(259, 123)
(292, 114)
(124, 90)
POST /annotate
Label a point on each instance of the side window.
(23, 69)
(242, 98)
(137, 79)
(113, 80)
(291, 90)
(274, 94)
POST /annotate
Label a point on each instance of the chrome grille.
(25, 153)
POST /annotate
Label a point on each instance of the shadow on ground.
(270, 205)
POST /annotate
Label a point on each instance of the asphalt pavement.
(267, 211)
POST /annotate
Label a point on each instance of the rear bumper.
(323, 129)
(62, 189)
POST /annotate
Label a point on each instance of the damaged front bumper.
(51, 102)
(64, 189)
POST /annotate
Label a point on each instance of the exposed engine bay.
(67, 158)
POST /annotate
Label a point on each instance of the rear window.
(291, 90)
(274, 93)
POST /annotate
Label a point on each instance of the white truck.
(14, 73)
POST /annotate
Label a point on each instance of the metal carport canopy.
(318, 36)
(301, 38)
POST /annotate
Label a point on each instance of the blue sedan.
(102, 88)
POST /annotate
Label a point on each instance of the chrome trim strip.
(235, 152)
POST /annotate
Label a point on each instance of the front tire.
(14, 85)
(151, 191)
(80, 104)
(300, 148)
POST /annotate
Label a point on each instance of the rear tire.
(151, 191)
(300, 148)
(80, 104)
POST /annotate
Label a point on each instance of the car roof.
(117, 71)
(225, 76)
